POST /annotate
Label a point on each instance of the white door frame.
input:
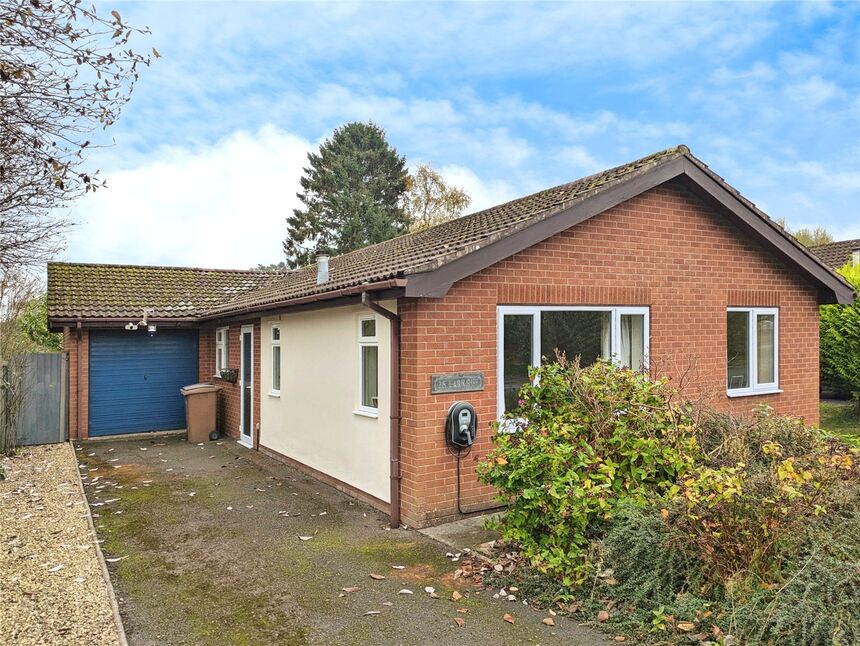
(246, 440)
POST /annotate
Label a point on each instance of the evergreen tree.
(352, 194)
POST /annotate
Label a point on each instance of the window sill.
(275, 393)
(373, 414)
(752, 393)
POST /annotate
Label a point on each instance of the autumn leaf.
(549, 621)
(376, 577)
(460, 621)
(351, 589)
(456, 596)
(155, 53)
(501, 460)
(509, 618)
(116, 15)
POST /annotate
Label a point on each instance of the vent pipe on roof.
(322, 268)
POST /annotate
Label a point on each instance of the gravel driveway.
(51, 586)
(222, 545)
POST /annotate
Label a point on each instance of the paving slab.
(218, 544)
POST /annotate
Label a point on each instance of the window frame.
(222, 345)
(363, 342)
(276, 343)
(616, 312)
(754, 387)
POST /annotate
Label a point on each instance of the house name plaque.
(456, 382)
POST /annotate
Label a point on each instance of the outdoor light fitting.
(150, 327)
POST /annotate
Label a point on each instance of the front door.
(246, 368)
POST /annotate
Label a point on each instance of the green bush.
(587, 440)
(762, 479)
(840, 340)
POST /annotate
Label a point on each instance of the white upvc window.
(276, 360)
(368, 366)
(527, 335)
(221, 359)
(855, 257)
(752, 351)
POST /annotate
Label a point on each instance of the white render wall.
(313, 420)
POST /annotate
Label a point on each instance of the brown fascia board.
(436, 279)
(840, 291)
(340, 301)
(435, 282)
(316, 301)
(57, 323)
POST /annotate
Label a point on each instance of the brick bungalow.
(347, 368)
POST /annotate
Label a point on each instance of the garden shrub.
(840, 340)
(587, 439)
(742, 526)
(760, 480)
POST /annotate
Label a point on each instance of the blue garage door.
(135, 380)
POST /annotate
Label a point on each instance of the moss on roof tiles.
(408, 253)
(173, 292)
(123, 291)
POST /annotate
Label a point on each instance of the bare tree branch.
(65, 72)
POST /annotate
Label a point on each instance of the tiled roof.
(123, 291)
(423, 250)
(104, 291)
(836, 254)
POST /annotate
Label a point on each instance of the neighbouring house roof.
(94, 291)
(425, 263)
(837, 254)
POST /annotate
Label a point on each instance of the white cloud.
(215, 206)
(484, 194)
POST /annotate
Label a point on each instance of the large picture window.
(369, 360)
(221, 350)
(752, 350)
(529, 335)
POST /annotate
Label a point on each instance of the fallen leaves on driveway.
(376, 577)
(509, 618)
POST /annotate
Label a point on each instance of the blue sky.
(502, 98)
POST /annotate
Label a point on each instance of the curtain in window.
(632, 352)
(276, 367)
(765, 351)
(370, 376)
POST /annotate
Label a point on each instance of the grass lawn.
(838, 417)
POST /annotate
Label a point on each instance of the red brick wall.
(70, 345)
(670, 249)
(229, 411)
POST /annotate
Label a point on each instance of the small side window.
(369, 365)
(221, 357)
(276, 360)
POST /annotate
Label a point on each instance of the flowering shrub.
(586, 440)
(761, 479)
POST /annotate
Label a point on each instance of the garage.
(134, 380)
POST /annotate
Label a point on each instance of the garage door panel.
(135, 380)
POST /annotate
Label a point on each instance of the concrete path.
(210, 551)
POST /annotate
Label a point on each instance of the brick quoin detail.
(229, 402)
(672, 249)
